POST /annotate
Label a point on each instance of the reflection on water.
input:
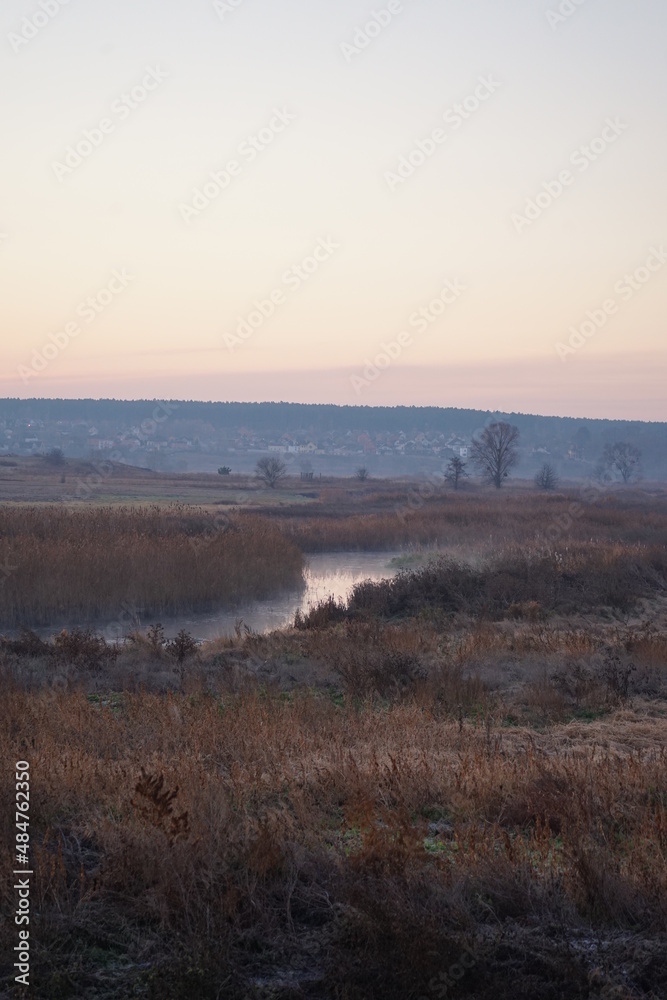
(327, 573)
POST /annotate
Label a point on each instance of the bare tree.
(361, 473)
(455, 471)
(494, 452)
(271, 471)
(546, 478)
(624, 458)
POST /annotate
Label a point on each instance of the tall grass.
(95, 561)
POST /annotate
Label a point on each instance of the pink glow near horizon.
(411, 204)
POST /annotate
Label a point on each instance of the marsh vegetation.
(452, 783)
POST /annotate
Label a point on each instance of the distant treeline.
(324, 417)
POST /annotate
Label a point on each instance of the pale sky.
(312, 115)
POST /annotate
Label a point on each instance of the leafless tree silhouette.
(494, 451)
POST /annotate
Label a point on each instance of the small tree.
(546, 479)
(623, 458)
(55, 458)
(361, 473)
(182, 648)
(271, 471)
(224, 470)
(455, 471)
(494, 452)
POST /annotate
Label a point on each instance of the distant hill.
(321, 417)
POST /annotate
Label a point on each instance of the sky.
(407, 202)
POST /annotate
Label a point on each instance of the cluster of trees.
(494, 454)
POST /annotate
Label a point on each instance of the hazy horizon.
(414, 205)
(472, 387)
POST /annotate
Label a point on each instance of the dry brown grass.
(95, 561)
(389, 841)
(479, 523)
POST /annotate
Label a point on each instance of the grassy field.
(32, 480)
(453, 785)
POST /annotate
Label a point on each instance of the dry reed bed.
(95, 561)
(421, 829)
(482, 524)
